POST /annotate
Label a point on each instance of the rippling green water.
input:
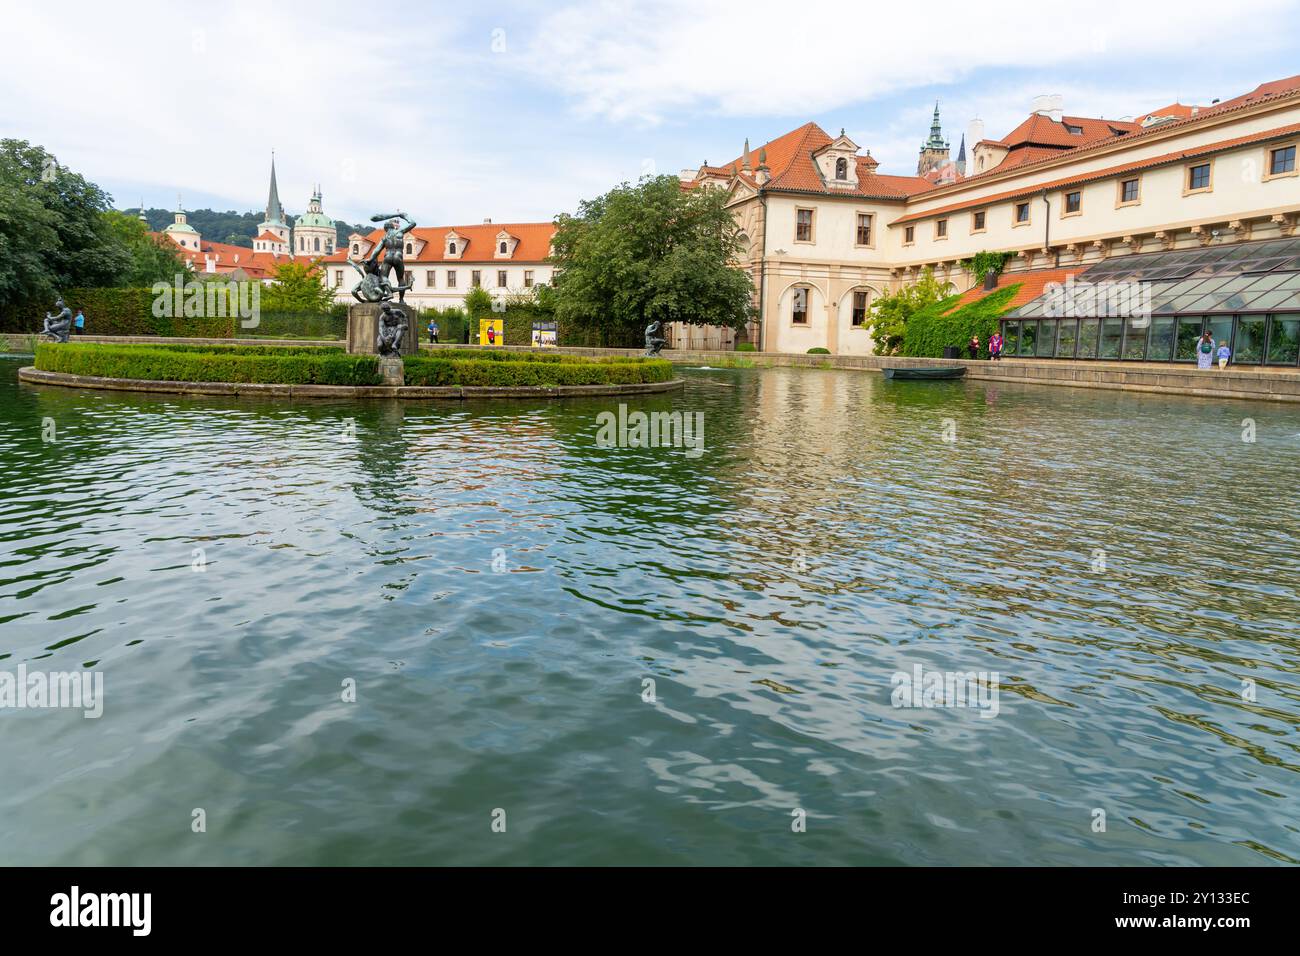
(826, 539)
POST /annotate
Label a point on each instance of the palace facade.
(445, 262)
(826, 232)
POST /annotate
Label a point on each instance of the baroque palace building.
(445, 262)
(826, 232)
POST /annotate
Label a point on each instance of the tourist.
(433, 331)
(974, 346)
(79, 323)
(1225, 353)
(995, 346)
(1205, 350)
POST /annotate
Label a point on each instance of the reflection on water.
(501, 590)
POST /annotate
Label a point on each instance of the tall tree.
(82, 250)
(297, 288)
(650, 252)
(153, 258)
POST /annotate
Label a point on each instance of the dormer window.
(408, 248)
(356, 248)
(1074, 130)
(841, 168)
(451, 248)
(503, 247)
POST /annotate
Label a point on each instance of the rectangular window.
(799, 308)
(1281, 161)
(977, 221)
(1198, 177)
(864, 229)
(859, 309)
(528, 278)
(475, 278)
(1022, 213)
(430, 278)
(1073, 203)
(941, 229)
(1284, 339)
(451, 278)
(803, 225)
(909, 235)
(1128, 191)
(338, 278)
(501, 278)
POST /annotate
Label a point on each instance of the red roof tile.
(1108, 172)
(479, 243)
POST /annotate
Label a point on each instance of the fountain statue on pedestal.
(654, 339)
(58, 326)
(392, 327)
(376, 284)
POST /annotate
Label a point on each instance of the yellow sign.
(491, 331)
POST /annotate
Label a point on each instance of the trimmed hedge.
(117, 312)
(249, 364)
(495, 369)
(940, 325)
(307, 325)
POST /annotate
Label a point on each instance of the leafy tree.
(478, 304)
(153, 258)
(52, 231)
(888, 319)
(649, 252)
(297, 288)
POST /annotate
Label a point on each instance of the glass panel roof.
(1240, 277)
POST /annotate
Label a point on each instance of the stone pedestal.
(391, 370)
(363, 329)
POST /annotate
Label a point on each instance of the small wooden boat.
(926, 373)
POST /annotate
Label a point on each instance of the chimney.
(974, 132)
(487, 222)
(762, 174)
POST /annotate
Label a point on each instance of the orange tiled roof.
(1040, 130)
(1172, 111)
(791, 168)
(479, 242)
(269, 236)
(1031, 286)
(1107, 173)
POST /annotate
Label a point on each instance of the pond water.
(633, 655)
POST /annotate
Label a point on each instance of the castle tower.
(934, 151)
(275, 222)
(314, 233)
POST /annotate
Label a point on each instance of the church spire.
(273, 211)
(936, 140)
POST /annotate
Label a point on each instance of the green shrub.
(746, 347)
(244, 364)
(940, 325)
(818, 350)
(117, 312)
(305, 325)
(486, 368)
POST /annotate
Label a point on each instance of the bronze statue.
(58, 326)
(372, 287)
(393, 246)
(392, 327)
(654, 340)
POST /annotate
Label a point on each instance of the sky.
(456, 113)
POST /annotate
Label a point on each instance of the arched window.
(841, 168)
(799, 306)
(451, 248)
(317, 244)
(503, 247)
(408, 248)
(356, 248)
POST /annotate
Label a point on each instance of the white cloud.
(648, 61)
